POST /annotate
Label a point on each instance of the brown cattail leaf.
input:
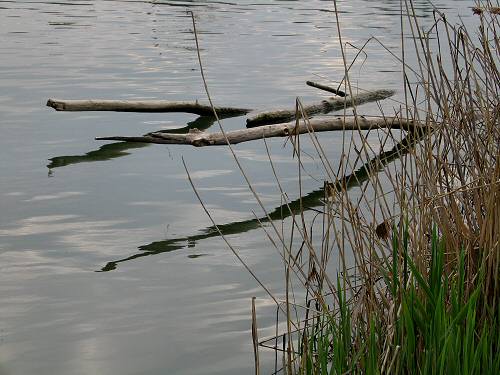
(492, 10)
(477, 10)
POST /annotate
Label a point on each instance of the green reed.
(437, 329)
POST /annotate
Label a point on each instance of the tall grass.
(405, 275)
(437, 329)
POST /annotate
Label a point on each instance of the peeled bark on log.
(142, 106)
(198, 138)
(326, 106)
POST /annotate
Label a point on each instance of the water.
(172, 299)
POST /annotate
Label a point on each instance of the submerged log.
(142, 106)
(198, 138)
(325, 106)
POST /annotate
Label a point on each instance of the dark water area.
(108, 263)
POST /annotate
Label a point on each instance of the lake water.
(169, 297)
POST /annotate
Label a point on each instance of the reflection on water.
(308, 201)
(106, 152)
(119, 149)
(295, 207)
(156, 315)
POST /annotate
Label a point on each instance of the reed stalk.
(401, 274)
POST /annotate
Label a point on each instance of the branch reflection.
(308, 201)
(119, 149)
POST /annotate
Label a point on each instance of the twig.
(326, 88)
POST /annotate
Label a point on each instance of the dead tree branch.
(325, 106)
(326, 88)
(199, 138)
(142, 106)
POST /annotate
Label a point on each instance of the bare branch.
(199, 138)
(326, 88)
(325, 106)
(142, 106)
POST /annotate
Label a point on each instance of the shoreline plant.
(402, 274)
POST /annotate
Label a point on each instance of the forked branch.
(198, 138)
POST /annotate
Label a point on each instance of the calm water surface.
(171, 298)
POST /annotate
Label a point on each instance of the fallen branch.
(142, 106)
(326, 106)
(198, 138)
(326, 88)
(259, 119)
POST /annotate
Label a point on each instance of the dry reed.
(425, 231)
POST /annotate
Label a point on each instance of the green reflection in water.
(119, 149)
(307, 202)
(106, 152)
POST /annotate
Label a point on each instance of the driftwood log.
(257, 119)
(325, 106)
(143, 106)
(199, 138)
